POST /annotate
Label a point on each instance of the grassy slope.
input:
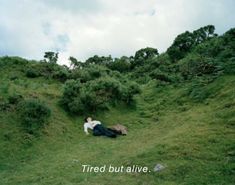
(194, 140)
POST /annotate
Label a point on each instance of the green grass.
(194, 140)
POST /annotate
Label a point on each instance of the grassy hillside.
(186, 125)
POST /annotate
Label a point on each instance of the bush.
(197, 65)
(82, 75)
(229, 66)
(122, 65)
(61, 73)
(4, 88)
(15, 99)
(200, 89)
(12, 61)
(128, 93)
(159, 75)
(198, 93)
(97, 94)
(72, 89)
(4, 105)
(90, 72)
(48, 70)
(32, 73)
(34, 115)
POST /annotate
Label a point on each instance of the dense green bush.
(34, 115)
(96, 94)
(72, 89)
(122, 65)
(211, 48)
(229, 66)
(11, 102)
(15, 98)
(12, 61)
(128, 91)
(48, 70)
(89, 72)
(197, 65)
(61, 73)
(4, 104)
(198, 92)
(79, 74)
(159, 75)
(32, 73)
(199, 89)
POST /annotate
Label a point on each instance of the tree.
(143, 55)
(99, 60)
(203, 34)
(181, 45)
(120, 64)
(75, 63)
(184, 42)
(51, 57)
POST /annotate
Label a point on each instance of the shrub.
(90, 72)
(198, 93)
(14, 77)
(61, 73)
(32, 73)
(72, 89)
(229, 66)
(34, 115)
(44, 68)
(4, 88)
(130, 90)
(210, 48)
(48, 70)
(96, 94)
(82, 75)
(122, 65)
(200, 89)
(4, 105)
(12, 61)
(197, 65)
(159, 75)
(15, 99)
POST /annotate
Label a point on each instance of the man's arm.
(86, 128)
(96, 122)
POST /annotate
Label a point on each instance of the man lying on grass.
(98, 128)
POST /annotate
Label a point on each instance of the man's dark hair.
(85, 119)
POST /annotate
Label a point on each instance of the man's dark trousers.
(100, 130)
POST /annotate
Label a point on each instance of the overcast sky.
(83, 28)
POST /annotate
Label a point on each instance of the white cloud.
(82, 29)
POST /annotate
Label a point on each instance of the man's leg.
(107, 132)
(115, 131)
(96, 131)
(104, 131)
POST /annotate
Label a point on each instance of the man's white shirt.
(90, 125)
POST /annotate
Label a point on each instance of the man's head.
(88, 119)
